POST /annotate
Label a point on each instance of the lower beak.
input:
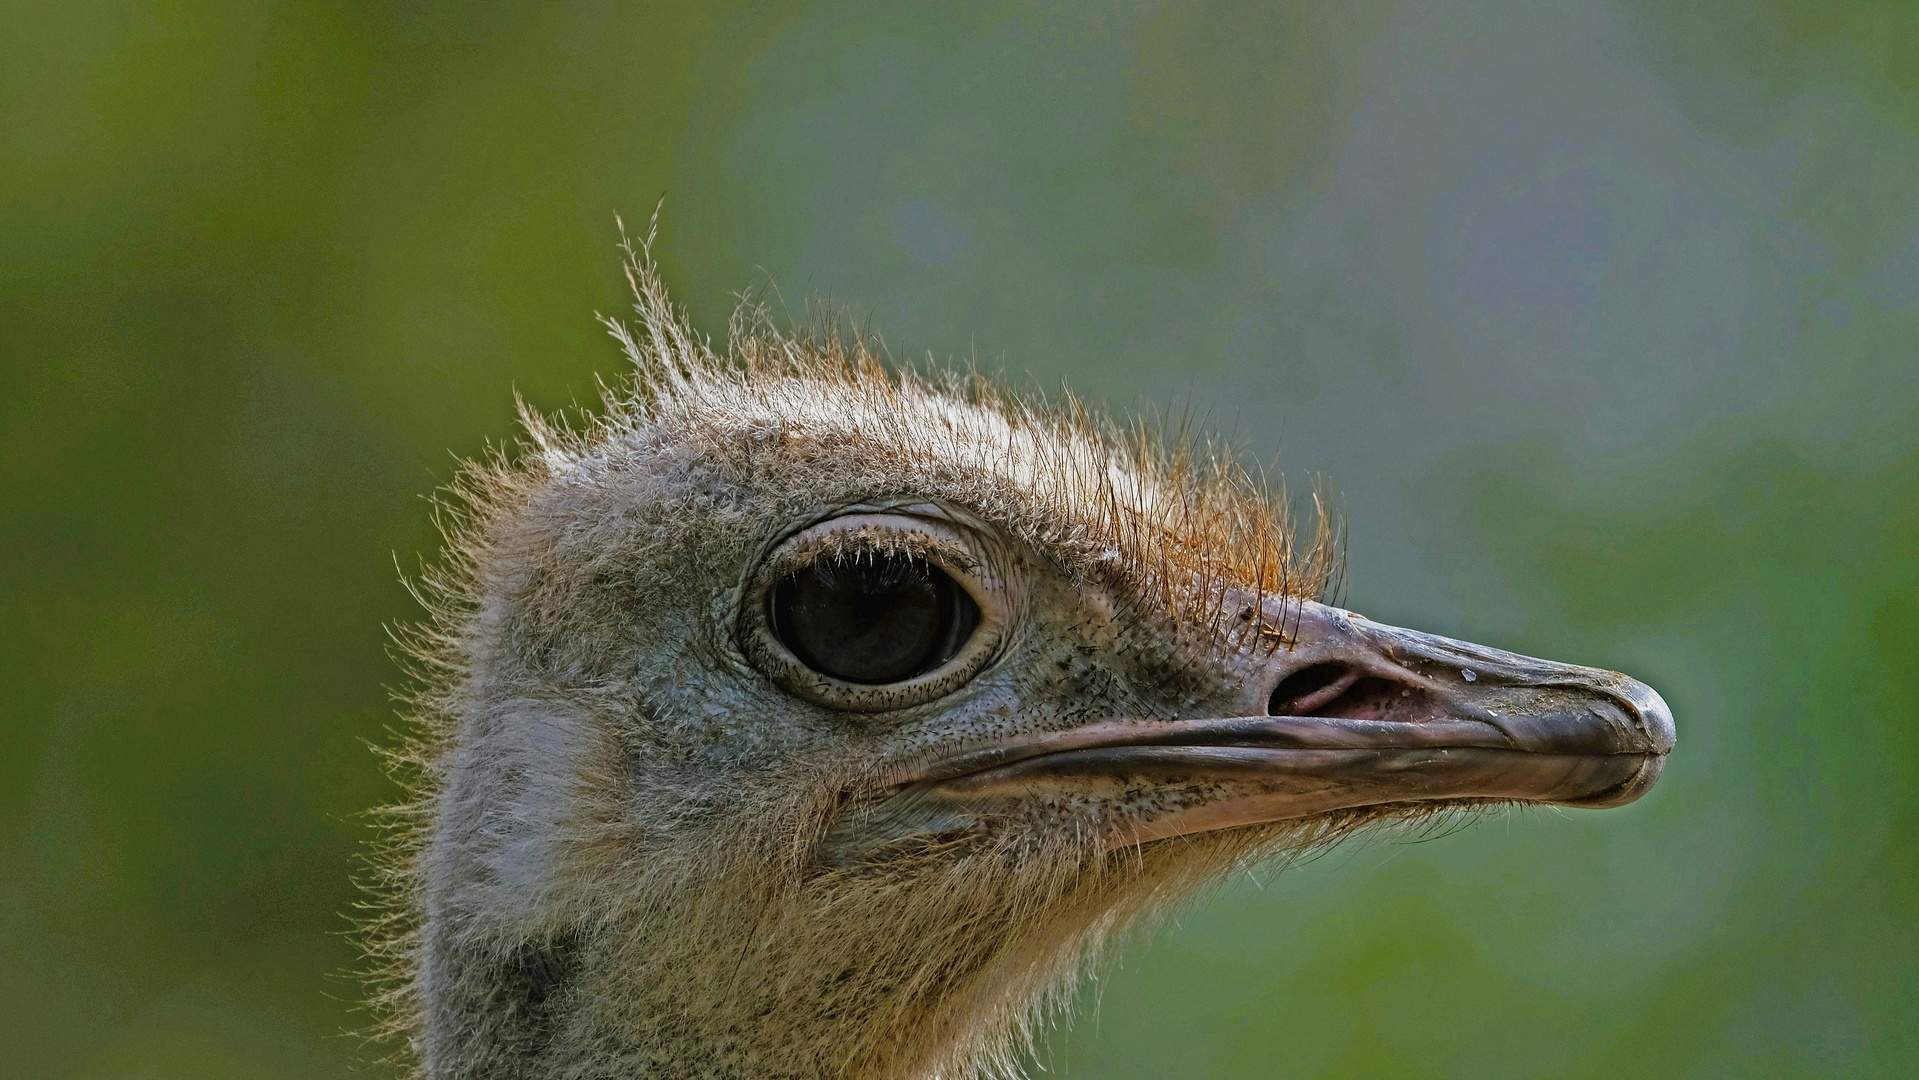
(1362, 715)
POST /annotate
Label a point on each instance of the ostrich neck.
(660, 1003)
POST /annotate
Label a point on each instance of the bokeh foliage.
(1601, 315)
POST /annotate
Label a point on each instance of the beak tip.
(1656, 735)
(1653, 715)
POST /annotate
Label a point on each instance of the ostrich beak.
(1363, 714)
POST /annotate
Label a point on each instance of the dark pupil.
(873, 618)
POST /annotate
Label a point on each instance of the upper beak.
(1358, 714)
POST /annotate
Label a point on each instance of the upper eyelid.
(925, 543)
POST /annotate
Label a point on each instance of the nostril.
(1304, 687)
(1334, 690)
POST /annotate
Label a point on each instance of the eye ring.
(895, 658)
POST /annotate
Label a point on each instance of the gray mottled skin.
(644, 845)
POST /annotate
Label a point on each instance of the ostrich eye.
(876, 612)
(874, 618)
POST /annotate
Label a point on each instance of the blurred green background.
(1603, 317)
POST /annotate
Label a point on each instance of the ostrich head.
(796, 718)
